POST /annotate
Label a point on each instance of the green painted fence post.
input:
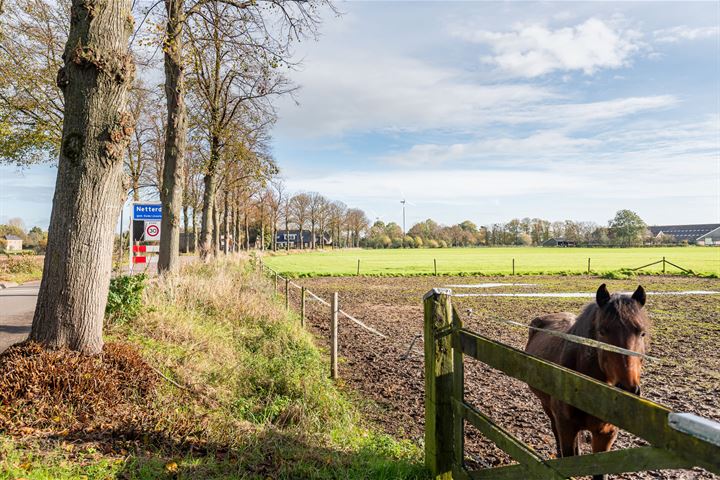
(438, 384)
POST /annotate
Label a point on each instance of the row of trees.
(625, 229)
(68, 91)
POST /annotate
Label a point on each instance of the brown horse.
(618, 320)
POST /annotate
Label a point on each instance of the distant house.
(702, 234)
(558, 242)
(13, 243)
(282, 238)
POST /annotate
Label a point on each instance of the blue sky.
(489, 111)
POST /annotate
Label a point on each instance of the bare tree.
(315, 211)
(301, 213)
(96, 76)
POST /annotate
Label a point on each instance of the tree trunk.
(287, 234)
(195, 235)
(247, 231)
(312, 235)
(226, 229)
(175, 140)
(216, 229)
(89, 189)
(187, 228)
(206, 222)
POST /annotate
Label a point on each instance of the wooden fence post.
(302, 307)
(275, 282)
(588, 265)
(358, 269)
(334, 307)
(438, 384)
(287, 294)
(435, 263)
(513, 266)
(663, 264)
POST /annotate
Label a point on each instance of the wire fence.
(335, 311)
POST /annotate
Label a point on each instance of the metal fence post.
(334, 307)
(302, 307)
(438, 384)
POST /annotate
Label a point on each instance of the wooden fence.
(677, 440)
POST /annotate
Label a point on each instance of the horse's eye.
(642, 334)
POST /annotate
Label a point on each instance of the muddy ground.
(685, 335)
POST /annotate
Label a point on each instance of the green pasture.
(492, 261)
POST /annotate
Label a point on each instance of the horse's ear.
(639, 295)
(602, 297)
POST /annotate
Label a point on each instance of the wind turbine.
(404, 202)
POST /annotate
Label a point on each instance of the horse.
(616, 319)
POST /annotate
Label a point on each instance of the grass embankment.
(20, 268)
(493, 261)
(252, 398)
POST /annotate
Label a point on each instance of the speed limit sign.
(152, 231)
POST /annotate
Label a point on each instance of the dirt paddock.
(685, 336)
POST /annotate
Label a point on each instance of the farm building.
(558, 242)
(703, 234)
(293, 237)
(13, 243)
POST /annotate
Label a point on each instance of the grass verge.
(20, 268)
(245, 395)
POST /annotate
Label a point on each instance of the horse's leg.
(549, 413)
(567, 437)
(603, 438)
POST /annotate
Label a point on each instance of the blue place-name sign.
(147, 211)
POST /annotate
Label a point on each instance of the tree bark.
(226, 229)
(175, 140)
(187, 228)
(206, 221)
(89, 190)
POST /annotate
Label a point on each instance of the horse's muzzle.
(634, 390)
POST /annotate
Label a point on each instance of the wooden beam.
(438, 384)
(637, 415)
(618, 461)
(532, 465)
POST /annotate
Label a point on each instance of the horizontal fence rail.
(678, 440)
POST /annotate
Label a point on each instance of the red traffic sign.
(152, 231)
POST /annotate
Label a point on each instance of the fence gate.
(678, 440)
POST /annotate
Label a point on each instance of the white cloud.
(683, 32)
(534, 50)
(361, 90)
(539, 145)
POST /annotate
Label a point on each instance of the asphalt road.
(17, 305)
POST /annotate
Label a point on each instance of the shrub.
(443, 244)
(125, 297)
(432, 243)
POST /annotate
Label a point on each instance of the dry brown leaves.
(61, 392)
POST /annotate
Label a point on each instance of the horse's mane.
(621, 309)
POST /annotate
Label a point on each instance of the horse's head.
(621, 320)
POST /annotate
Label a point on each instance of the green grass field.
(492, 261)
